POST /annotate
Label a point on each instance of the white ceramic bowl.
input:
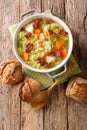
(70, 44)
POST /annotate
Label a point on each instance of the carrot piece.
(25, 56)
(37, 31)
(63, 52)
(45, 35)
(59, 44)
(40, 44)
(55, 48)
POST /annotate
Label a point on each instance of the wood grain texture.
(76, 18)
(31, 120)
(77, 115)
(30, 4)
(57, 7)
(9, 103)
(60, 113)
(55, 111)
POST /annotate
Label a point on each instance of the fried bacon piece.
(42, 61)
(49, 21)
(53, 33)
(28, 35)
(29, 47)
(37, 23)
(63, 32)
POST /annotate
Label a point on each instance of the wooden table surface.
(60, 112)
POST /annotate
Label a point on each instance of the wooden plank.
(56, 6)
(76, 18)
(9, 103)
(31, 119)
(55, 111)
(77, 115)
(28, 5)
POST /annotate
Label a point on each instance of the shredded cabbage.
(43, 44)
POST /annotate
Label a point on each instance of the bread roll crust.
(29, 89)
(10, 72)
(77, 89)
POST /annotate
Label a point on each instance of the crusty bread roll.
(77, 89)
(29, 88)
(10, 72)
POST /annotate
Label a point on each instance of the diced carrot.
(63, 52)
(40, 44)
(59, 44)
(45, 54)
(25, 56)
(45, 35)
(55, 48)
(37, 31)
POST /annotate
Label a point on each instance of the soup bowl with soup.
(43, 43)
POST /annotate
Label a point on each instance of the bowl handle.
(28, 12)
(54, 76)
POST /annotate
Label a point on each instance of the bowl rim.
(29, 19)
